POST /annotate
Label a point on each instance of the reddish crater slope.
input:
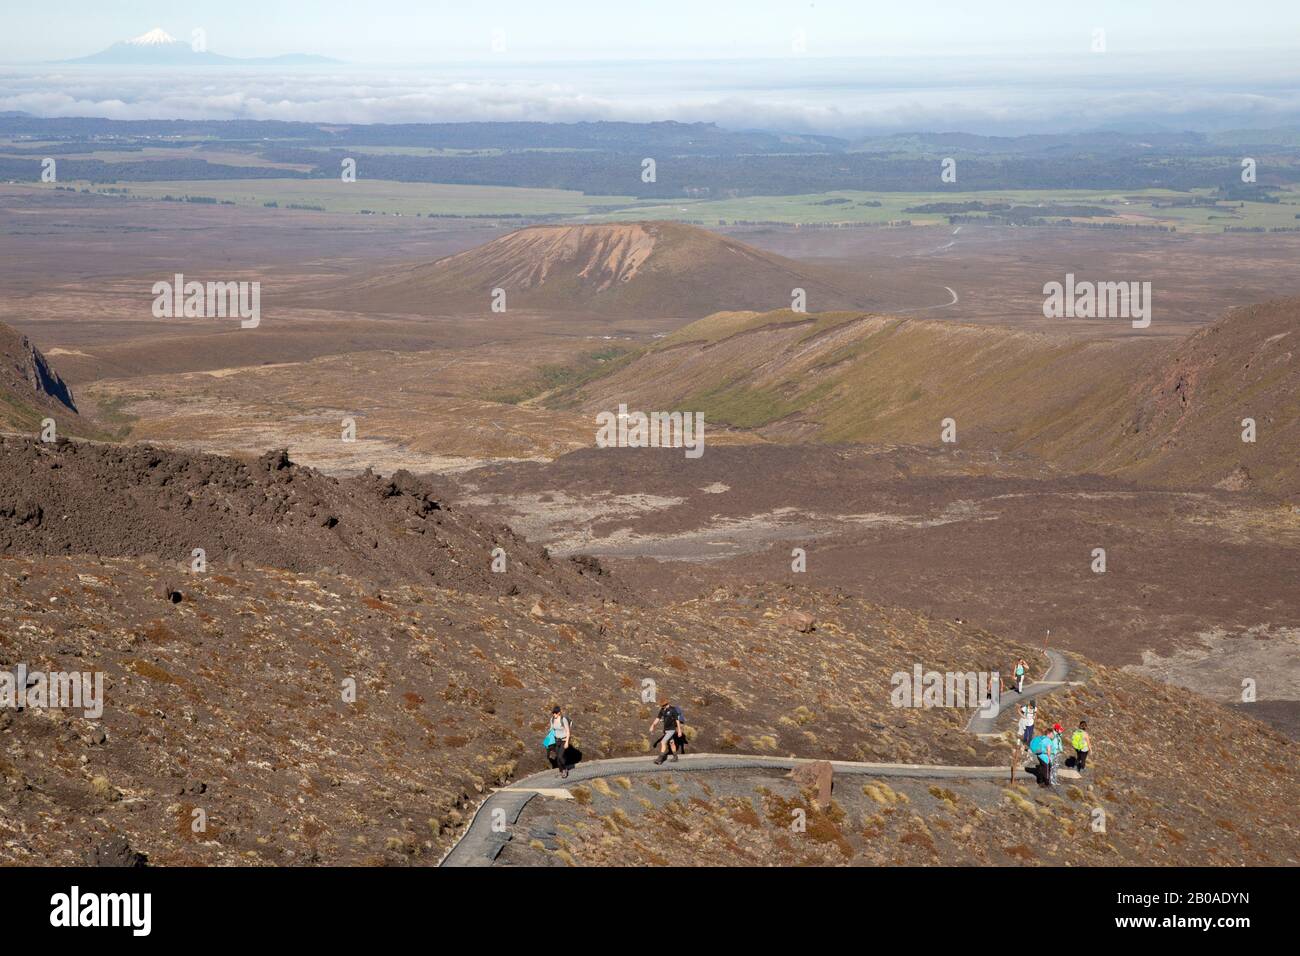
(616, 269)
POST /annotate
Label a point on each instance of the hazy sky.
(843, 67)
(386, 32)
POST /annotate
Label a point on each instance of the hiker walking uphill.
(1043, 747)
(1021, 668)
(1025, 726)
(1082, 745)
(1058, 747)
(556, 741)
(671, 719)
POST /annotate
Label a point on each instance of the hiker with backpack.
(1021, 668)
(1058, 747)
(1082, 744)
(671, 718)
(556, 741)
(1028, 713)
(1042, 749)
(680, 738)
(1024, 728)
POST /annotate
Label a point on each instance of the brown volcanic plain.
(957, 556)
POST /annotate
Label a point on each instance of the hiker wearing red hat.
(1057, 732)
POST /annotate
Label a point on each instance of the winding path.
(927, 308)
(1058, 673)
(481, 842)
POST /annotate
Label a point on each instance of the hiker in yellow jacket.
(1082, 744)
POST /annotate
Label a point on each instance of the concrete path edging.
(489, 828)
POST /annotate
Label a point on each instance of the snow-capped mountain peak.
(155, 37)
(160, 48)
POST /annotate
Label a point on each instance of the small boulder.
(801, 621)
(816, 777)
(586, 564)
(115, 851)
(275, 460)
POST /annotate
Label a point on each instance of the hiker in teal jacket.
(1042, 747)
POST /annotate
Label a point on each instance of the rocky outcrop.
(137, 500)
(27, 375)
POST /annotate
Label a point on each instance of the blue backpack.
(549, 740)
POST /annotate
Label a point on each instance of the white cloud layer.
(835, 97)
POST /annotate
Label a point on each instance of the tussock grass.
(883, 794)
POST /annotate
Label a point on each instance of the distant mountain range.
(159, 48)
